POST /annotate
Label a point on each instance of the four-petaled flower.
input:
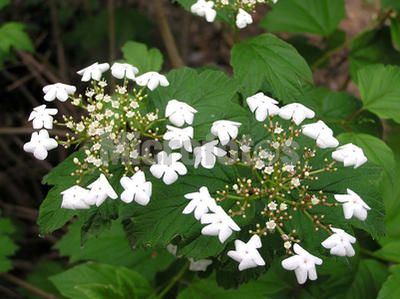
(179, 113)
(94, 71)
(340, 243)
(136, 188)
(219, 224)
(40, 144)
(152, 80)
(179, 138)
(225, 130)
(303, 264)
(168, 167)
(207, 154)
(297, 112)
(246, 254)
(99, 191)
(42, 117)
(243, 18)
(74, 198)
(350, 155)
(353, 205)
(200, 202)
(320, 132)
(263, 106)
(204, 8)
(58, 91)
(121, 70)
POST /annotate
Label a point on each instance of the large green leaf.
(91, 281)
(209, 92)
(144, 59)
(380, 91)
(13, 36)
(312, 16)
(390, 289)
(268, 63)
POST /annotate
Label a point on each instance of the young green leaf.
(140, 56)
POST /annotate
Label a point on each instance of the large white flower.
(179, 113)
(225, 130)
(263, 106)
(303, 264)
(200, 202)
(74, 198)
(219, 224)
(199, 266)
(40, 144)
(243, 19)
(339, 243)
(42, 117)
(136, 188)
(93, 72)
(121, 70)
(350, 155)
(207, 154)
(168, 167)
(179, 138)
(353, 205)
(152, 80)
(204, 8)
(58, 91)
(320, 132)
(99, 191)
(246, 254)
(297, 112)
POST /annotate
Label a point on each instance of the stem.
(23, 284)
(172, 282)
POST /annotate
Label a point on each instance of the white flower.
(58, 91)
(40, 144)
(243, 19)
(152, 80)
(200, 265)
(268, 170)
(93, 71)
(121, 70)
(42, 117)
(340, 243)
(353, 205)
(219, 224)
(271, 224)
(350, 155)
(272, 206)
(136, 188)
(297, 112)
(246, 254)
(204, 8)
(321, 133)
(283, 206)
(179, 138)
(207, 154)
(295, 182)
(303, 264)
(263, 106)
(179, 113)
(74, 198)
(200, 202)
(172, 249)
(168, 167)
(99, 191)
(225, 130)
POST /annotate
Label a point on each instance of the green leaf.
(390, 289)
(391, 4)
(268, 63)
(88, 280)
(8, 247)
(372, 47)
(210, 92)
(320, 17)
(380, 91)
(13, 35)
(395, 32)
(4, 3)
(144, 59)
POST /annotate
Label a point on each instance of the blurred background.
(42, 42)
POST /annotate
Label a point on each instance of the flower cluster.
(241, 8)
(281, 171)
